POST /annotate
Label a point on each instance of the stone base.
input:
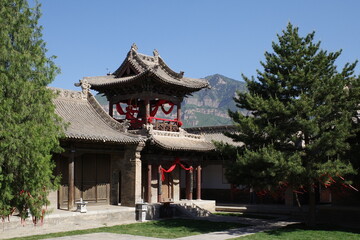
(205, 204)
(61, 221)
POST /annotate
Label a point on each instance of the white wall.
(213, 177)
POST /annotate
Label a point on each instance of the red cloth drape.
(119, 109)
(170, 109)
(130, 111)
(177, 162)
(161, 103)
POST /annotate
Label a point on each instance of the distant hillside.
(207, 107)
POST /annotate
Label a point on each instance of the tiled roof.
(216, 133)
(87, 121)
(183, 141)
(147, 66)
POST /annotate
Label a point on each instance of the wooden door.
(167, 188)
(89, 182)
(102, 178)
(92, 179)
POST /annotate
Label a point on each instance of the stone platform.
(62, 220)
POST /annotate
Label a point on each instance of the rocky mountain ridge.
(209, 107)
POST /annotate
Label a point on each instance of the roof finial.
(156, 55)
(85, 88)
(134, 47)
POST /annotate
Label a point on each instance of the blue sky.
(199, 37)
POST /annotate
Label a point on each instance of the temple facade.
(137, 150)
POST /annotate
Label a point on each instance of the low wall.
(61, 221)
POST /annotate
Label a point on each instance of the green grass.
(172, 228)
(246, 215)
(301, 232)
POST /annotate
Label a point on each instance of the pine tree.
(29, 128)
(301, 116)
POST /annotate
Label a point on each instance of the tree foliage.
(29, 128)
(301, 116)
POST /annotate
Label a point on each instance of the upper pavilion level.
(145, 90)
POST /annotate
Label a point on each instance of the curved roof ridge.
(169, 70)
(108, 120)
(87, 121)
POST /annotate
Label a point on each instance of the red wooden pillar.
(149, 183)
(189, 184)
(111, 113)
(71, 180)
(198, 182)
(159, 183)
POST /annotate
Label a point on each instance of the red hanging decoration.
(119, 109)
(169, 110)
(177, 162)
(130, 110)
(154, 110)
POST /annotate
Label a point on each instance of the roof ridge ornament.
(134, 47)
(133, 50)
(156, 56)
(85, 88)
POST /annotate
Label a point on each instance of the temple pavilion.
(136, 150)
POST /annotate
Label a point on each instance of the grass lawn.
(301, 232)
(246, 215)
(172, 228)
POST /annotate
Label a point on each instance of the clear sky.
(199, 37)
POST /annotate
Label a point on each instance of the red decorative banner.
(177, 162)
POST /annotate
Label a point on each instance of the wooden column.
(147, 108)
(198, 182)
(111, 108)
(189, 184)
(178, 108)
(159, 183)
(149, 183)
(71, 180)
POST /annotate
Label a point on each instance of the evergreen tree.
(301, 115)
(29, 128)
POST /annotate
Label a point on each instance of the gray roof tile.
(216, 133)
(87, 120)
(174, 141)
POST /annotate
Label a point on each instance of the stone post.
(131, 176)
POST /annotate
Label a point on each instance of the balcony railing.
(161, 124)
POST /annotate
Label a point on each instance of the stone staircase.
(192, 210)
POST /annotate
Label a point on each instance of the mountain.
(207, 107)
